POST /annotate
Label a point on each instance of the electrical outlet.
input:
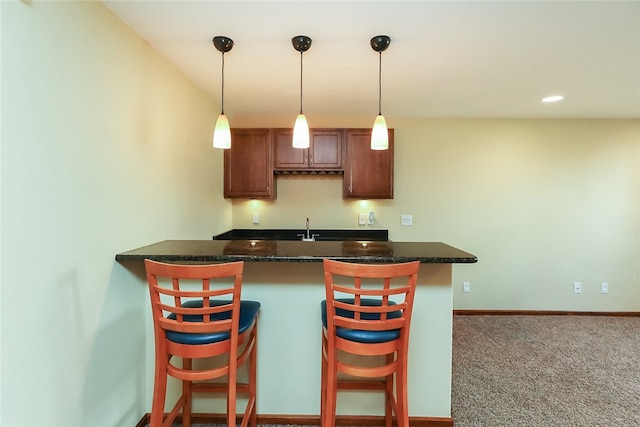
(577, 287)
(256, 218)
(466, 287)
(362, 219)
(370, 217)
(604, 288)
(406, 219)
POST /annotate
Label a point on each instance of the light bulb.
(222, 133)
(553, 98)
(301, 132)
(379, 134)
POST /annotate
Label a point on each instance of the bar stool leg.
(186, 392)
(232, 393)
(253, 378)
(159, 388)
(388, 394)
(401, 390)
(332, 390)
(323, 380)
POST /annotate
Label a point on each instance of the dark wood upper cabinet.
(255, 154)
(368, 173)
(325, 152)
(248, 164)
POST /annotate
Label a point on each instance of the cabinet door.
(368, 173)
(248, 164)
(286, 156)
(325, 151)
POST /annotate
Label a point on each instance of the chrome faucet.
(308, 237)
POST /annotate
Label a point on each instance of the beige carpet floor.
(546, 371)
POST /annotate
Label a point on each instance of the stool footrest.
(361, 385)
(217, 388)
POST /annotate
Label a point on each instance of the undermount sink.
(295, 234)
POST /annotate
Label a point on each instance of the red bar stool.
(198, 321)
(367, 312)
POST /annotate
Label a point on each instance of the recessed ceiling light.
(554, 98)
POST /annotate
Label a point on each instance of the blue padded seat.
(357, 335)
(248, 312)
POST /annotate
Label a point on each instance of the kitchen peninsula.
(297, 251)
(286, 277)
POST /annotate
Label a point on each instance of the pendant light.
(301, 128)
(222, 132)
(379, 133)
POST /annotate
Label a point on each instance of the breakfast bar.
(364, 251)
(286, 276)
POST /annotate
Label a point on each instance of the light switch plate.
(362, 219)
(406, 219)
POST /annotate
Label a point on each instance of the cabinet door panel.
(248, 164)
(368, 173)
(326, 149)
(286, 156)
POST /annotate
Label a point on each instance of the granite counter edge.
(253, 258)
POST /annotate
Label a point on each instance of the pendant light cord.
(222, 112)
(300, 82)
(380, 85)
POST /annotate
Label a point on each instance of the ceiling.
(446, 59)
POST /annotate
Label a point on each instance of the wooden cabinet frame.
(325, 152)
(248, 164)
(368, 173)
(256, 154)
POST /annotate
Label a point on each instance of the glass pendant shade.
(379, 134)
(301, 132)
(301, 127)
(222, 133)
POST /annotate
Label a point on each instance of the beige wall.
(105, 147)
(542, 203)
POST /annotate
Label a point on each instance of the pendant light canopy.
(379, 133)
(301, 128)
(222, 132)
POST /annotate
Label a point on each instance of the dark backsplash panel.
(296, 234)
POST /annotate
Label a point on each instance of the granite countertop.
(298, 251)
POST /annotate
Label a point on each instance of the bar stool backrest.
(370, 297)
(215, 298)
